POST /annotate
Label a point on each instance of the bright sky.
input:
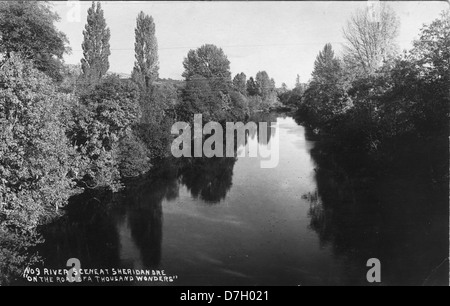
(282, 38)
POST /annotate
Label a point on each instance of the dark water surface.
(226, 221)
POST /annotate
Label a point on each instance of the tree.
(70, 77)
(28, 27)
(266, 89)
(326, 67)
(432, 50)
(431, 61)
(240, 83)
(105, 117)
(411, 96)
(145, 71)
(199, 97)
(239, 105)
(163, 97)
(370, 36)
(254, 103)
(284, 94)
(326, 98)
(96, 49)
(157, 118)
(210, 62)
(291, 98)
(263, 84)
(146, 67)
(252, 89)
(297, 81)
(36, 160)
(134, 155)
(208, 84)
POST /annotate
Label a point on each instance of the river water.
(227, 221)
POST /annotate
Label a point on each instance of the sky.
(282, 38)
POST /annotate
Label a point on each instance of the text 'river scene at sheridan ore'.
(224, 143)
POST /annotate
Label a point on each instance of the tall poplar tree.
(96, 48)
(146, 66)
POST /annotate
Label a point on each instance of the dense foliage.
(28, 27)
(36, 159)
(240, 83)
(209, 89)
(103, 119)
(407, 96)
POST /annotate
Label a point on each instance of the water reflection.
(268, 118)
(123, 230)
(313, 220)
(208, 179)
(144, 219)
(126, 229)
(398, 214)
(87, 232)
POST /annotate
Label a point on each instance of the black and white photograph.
(246, 144)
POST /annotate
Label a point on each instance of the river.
(227, 221)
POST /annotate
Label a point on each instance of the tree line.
(68, 128)
(373, 96)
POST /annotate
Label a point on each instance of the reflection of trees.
(86, 232)
(211, 179)
(394, 213)
(267, 118)
(90, 229)
(208, 179)
(145, 215)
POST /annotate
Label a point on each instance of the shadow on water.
(208, 179)
(125, 229)
(395, 210)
